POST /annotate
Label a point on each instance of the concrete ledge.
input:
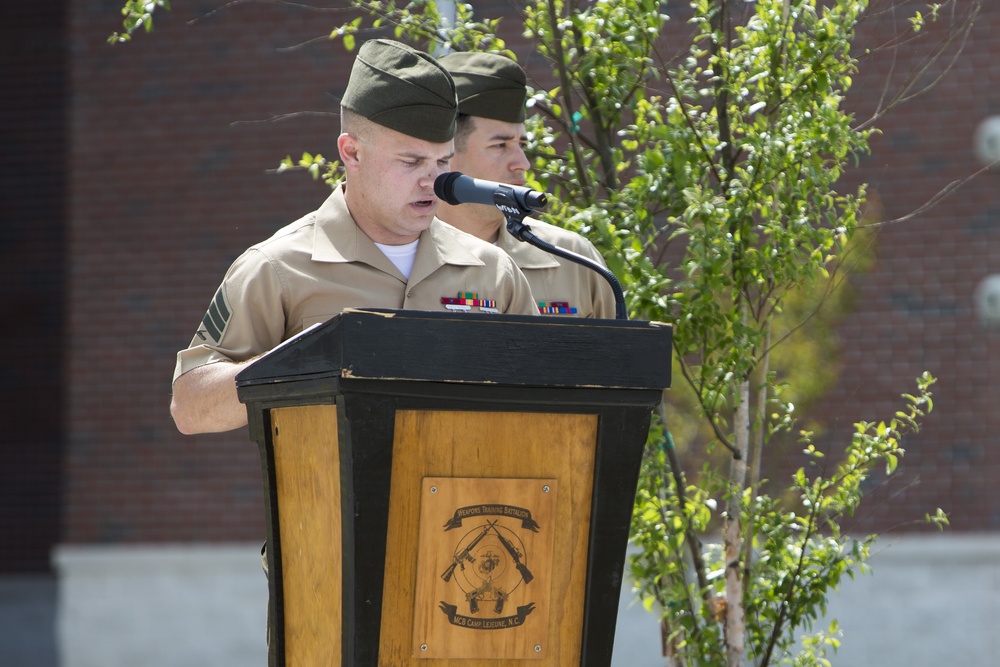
(161, 606)
(933, 548)
(931, 600)
(100, 559)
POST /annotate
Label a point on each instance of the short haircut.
(464, 125)
(356, 125)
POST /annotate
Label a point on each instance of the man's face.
(494, 151)
(391, 183)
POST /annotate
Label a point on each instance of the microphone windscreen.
(444, 187)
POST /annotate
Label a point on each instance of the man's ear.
(349, 147)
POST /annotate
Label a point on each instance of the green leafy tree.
(705, 161)
(725, 156)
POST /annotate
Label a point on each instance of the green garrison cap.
(488, 84)
(403, 89)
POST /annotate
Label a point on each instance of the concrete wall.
(930, 601)
(161, 606)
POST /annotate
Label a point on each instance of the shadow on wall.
(28, 621)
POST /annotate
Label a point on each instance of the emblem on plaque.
(492, 568)
(488, 565)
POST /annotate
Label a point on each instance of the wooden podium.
(451, 488)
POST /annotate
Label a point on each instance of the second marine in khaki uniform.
(559, 286)
(489, 145)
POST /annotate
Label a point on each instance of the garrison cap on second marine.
(489, 85)
(403, 89)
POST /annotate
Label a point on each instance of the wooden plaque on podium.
(451, 489)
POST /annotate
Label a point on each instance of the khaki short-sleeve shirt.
(561, 287)
(319, 265)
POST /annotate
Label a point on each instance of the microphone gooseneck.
(522, 232)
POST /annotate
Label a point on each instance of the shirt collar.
(337, 238)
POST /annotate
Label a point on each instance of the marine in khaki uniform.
(489, 144)
(374, 243)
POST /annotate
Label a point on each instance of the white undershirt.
(401, 255)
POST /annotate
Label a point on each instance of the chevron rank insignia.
(213, 325)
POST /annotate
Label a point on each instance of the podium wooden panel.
(531, 429)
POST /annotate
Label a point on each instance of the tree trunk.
(731, 534)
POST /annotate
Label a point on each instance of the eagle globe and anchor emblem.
(489, 563)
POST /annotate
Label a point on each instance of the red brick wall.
(173, 134)
(915, 309)
(168, 185)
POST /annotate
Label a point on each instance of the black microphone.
(455, 188)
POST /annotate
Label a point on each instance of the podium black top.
(431, 346)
